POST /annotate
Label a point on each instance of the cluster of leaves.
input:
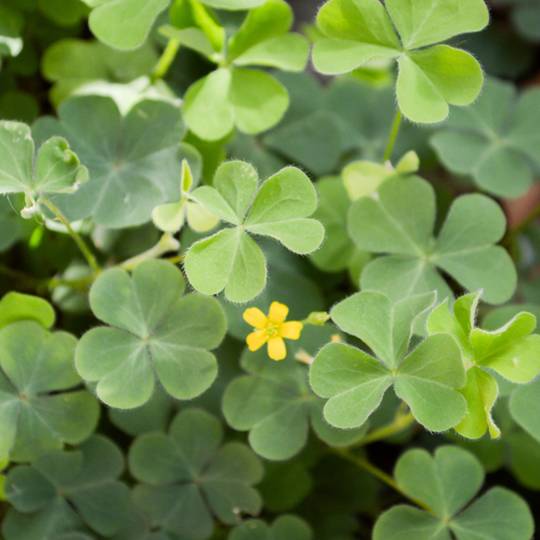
(169, 171)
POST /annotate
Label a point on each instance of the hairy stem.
(77, 238)
(166, 244)
(366, 465)
(166, 59)
(394, 131)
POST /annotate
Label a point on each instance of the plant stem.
(166, 59)
(77, 238)
(400, 423)
(363, 463)
(396, 124)
(166, 243)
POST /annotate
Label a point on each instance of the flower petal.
(255, 317)
(256, 340)
(278, 312)
(291, 329)
(277, 349)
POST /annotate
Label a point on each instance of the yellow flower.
(271, 329)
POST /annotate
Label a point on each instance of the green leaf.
(354, 382)
(274, 402)
(511, 351)
(424, 22)
(337, 250)
(525, 409)
(55, 168)
(72, 63)
(165, 337)
(40, 405)
(494, 140)
(190, 476)
(384, 326)
(463, 248)
(16, 306)
(125, 24)
(231, 260)
(135, 160)
(226, 98)
(233, 4)
(359, 34)
(287, 527)
(62, 490)
(425, 85)
(446, 483)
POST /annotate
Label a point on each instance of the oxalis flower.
(271, 329)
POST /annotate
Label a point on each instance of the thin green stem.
(394, 131)
(166, 59)
(400, 423)
(77, 238)
(166, 244)
(365, 464)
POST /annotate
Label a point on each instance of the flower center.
(272, 330)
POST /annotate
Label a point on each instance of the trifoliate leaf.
(513, 351)
(54, 169)
(287, 527)
(354, 382)
(464, 247)
(12, 228)
(495, 140)
(63, 13)
(356, 34)
(134, 160)
(63, 490)
(124, 24)
(73, 63)
(189, 476)
(40, 406)
(231, 96)
(274, 402)
(231, 260)
(164, 336)
(446, 483)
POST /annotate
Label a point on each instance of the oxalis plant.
(267, 279)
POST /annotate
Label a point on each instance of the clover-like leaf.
(41, 406)
(495, 140)
(463, 248)
(72, 63)
(189, 476)
(152, 335)
(525, 409)
(231, 260)
(357, 33)
(16, 306)
(54, 169)
(62, 490)
(232, 96)
(354, 382)
(446, 483)
(513, 351)
(124, 24)
(275, 403)
(134, 160)
(286, 527)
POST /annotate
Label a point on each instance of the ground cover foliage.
(269, 269)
